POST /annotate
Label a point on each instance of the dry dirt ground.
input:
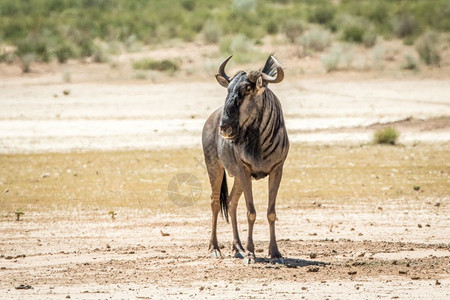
(351, 225)
(355, 220)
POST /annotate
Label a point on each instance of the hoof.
(238, 254)
(276, 260)
(215, 253)
(249, 259)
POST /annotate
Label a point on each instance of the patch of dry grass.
(139, 179)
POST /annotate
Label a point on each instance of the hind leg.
(215, 173)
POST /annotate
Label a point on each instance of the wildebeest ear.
(259, 82)
(222, 81)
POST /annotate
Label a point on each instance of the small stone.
(437, 203)
(437, 282)
(352, 272)
(201, 288)
(419, 225)
(304, 288)
(23, 287)
(45, 175)
(402, 272)
(313, 255)
(68, 297)
(415, 278)
(313, 269)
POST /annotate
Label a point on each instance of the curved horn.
(222, 68)
(280, 73)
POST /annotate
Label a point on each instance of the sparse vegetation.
(331, 60)
(164, 65)
(293, 29)
(18, 214)
(386, 135)
(45, 30)
(112, 214)
(316, 39)
(428, 48)
(410, 63)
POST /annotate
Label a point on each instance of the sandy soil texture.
(37, 118)
(351, 224)
(146, 255)
(355, 220)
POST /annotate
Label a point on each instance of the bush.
(211, 32)
(386, 135)
(410, 63)
(323, 14)
(100, 51)
(64, 52)
(316, 39)
(157, 65)
(244, 5)
(25, 62)
(353, 33)
(404, 25)
(369, 38)
(428, 48)
(331, 60)
(241, 44)
(293, 28)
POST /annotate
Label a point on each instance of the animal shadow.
(294, 262)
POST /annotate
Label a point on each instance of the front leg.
(274, 183)
(251, 217)
(236, 193)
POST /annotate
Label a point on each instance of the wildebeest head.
(244, 99)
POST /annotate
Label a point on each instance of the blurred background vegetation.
(46, 30)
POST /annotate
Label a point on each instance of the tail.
(224, 197)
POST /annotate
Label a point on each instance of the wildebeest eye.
(248, 88)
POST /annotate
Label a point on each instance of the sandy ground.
(39, 117)
(348, 227)
(89, 256)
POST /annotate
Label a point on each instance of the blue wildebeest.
(246, 138)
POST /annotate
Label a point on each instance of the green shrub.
(427, 46)
(244, 5)
(211, 32)
(331, 60)
(241, 44)
(64, 52)
(316, 39)
(7, 57)
(369, 38)
(353, 33)
(386, 135)
(25, 62)
(410, 63)
(164, 65)
(322, 14)
(404, 25)
(293, 29)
